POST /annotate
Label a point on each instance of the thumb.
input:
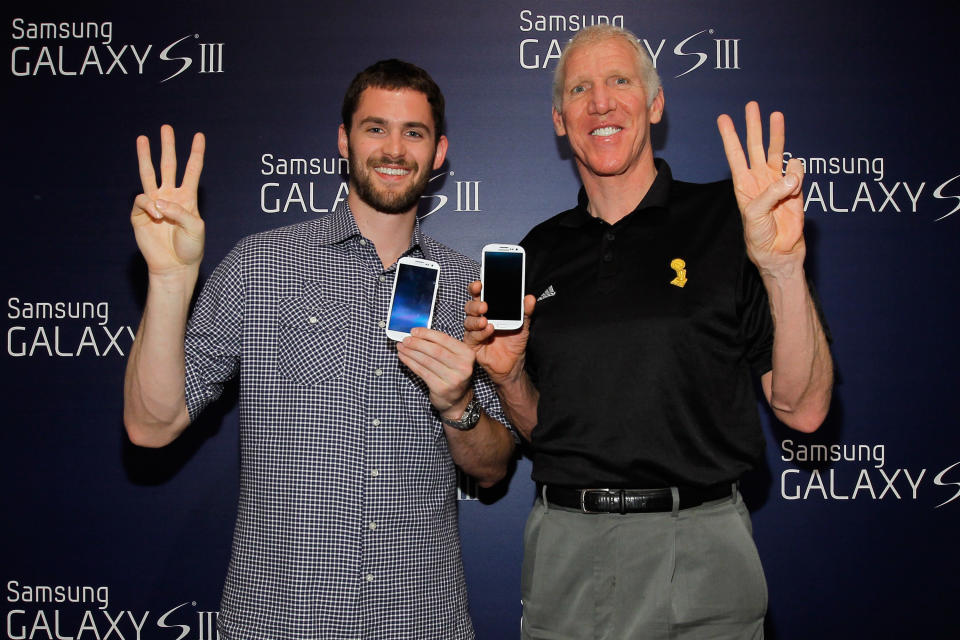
(176, 214)
(770, 197)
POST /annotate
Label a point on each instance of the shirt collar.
(656, 199)
(343, 226)
(417, 241)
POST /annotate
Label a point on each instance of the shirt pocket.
(312, 341)
(448, 318)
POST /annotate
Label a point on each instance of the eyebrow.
(609, 73)
(413, 124)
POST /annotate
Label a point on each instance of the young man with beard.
(658, 302)
(347, 519)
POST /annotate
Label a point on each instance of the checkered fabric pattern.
(347, 520)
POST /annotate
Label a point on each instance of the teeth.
(605, 131)
(392, 172)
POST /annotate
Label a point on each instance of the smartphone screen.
(414, 292)
(503, 273)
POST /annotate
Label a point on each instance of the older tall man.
(657, 301)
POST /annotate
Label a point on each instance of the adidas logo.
(546, 294)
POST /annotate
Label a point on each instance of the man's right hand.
(500, 354)
(503, 355)
(165, 218)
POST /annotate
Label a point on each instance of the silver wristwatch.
(469, 419)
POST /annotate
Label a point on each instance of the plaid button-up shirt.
(347, 518)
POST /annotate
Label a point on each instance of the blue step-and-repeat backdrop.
(858, 524)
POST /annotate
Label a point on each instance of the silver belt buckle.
(607, 490)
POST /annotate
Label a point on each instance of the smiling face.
(392, 148)
(604, 113)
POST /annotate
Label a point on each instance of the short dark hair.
(394, 74)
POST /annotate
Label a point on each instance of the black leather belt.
(631, 500)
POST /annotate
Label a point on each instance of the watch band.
(469, 419)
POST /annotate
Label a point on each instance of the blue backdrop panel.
(856, 524)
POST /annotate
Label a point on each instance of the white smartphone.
(502, 272)
(414, 296)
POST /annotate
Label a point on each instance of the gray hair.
(599, 33)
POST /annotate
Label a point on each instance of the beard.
(383, 200)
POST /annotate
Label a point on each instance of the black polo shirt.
(643, 382)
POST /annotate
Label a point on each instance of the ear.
(655, 112)
(558, 125)
(441, 153)
(343, 142)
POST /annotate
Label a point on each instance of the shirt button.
(382, 324)
(383, 278)
(363, 242)
(369, 577)
(375, 473)
(611, 236)
(376, 422)
(312, 320)
(608, 256)
(372, 525)
(378, 372)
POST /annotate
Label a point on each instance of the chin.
(607, 170)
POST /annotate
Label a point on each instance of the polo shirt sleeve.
(534, 266)
(213, 337)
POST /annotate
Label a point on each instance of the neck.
(389, 232)
(613, 197)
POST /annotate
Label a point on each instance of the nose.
(601, 100)
(393, 145)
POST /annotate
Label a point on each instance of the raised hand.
(165, 218)
(500, 354)
(770, 202)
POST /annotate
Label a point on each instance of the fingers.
(795, 167)
(168, 164)
(754, 135)
(434, 354)
(529, 302)
(478, 332)
(191, 175)
(772, 158)
(144, 205)
(168, 157)
(147, 176)
(731, 145)
(173, 212)
(477, 328)
(168, 210)
(437, 344)
(775, 149)
(777, 191)
(475, 322)
(475, 308)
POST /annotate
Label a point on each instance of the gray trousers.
(691, 574)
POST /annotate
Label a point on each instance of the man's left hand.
(444, 363)
(770, 202)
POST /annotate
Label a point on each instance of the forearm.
(155, 410)
(800, 384)
(482, 452)
(519, 399)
